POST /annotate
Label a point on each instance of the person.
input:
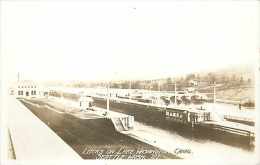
(239, 106)
(105, 113)
(196, 118)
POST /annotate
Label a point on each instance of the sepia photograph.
(113, 82)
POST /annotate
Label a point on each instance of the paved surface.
(73, 108)
(32, 139)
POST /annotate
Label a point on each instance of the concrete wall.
(32, 139)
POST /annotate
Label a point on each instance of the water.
(199, 149)
(222, 109)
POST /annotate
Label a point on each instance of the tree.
(169, 84)
(223, 79)
(249, 80)
(190, 77)
(155, 86)
(136, 85)
(198, 77)
(241, 80)
(211, 78)
(125, 85)
(115, 85)
(234, 77)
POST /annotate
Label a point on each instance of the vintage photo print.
(113, 82)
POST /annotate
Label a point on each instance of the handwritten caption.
(123, 153)
(129, 153)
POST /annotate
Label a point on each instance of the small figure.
(105, 113)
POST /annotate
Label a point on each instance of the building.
(193, 83)
(25, 88)
(86, 103)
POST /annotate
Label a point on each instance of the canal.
(196, 148)
(190, 148)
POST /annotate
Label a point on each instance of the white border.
(183, 162)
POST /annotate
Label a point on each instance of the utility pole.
(175, 93)
(159, 85)
(214, 95)
(18, 77)
(151, 86)
(108, 96)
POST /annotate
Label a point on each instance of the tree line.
(167, 84)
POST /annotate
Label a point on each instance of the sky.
(76, 40)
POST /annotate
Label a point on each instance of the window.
(20, 93)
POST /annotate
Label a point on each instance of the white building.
(85, 103)
(25, 88)
(193, 83)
